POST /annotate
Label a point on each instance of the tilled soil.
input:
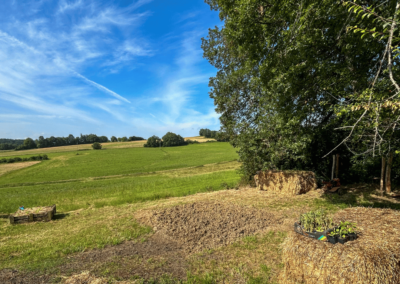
(198, 226)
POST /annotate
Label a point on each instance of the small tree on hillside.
(153, 141)
(171, 139)
(114, 139)
(96, 146)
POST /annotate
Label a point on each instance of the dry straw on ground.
(286, 182)
(373, 258)
(87, 278)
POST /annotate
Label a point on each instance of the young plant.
(316, 221)
(346, 228)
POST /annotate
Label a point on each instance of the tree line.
(217, 135)
(41, 142)
(298, 82)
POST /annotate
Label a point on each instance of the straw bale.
(373, 258)
(286, 182)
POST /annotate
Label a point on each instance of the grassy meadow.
(119, 161)
(99, 182)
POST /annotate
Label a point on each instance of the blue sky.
(118, 68)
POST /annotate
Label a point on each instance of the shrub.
(192, 141)
(135, 138)
(96, 146)
(18, 159)
(153, 141)
(171, 139)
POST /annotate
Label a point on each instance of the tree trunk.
(333, 167)
(388, 170)
(337, 165)
(383, 174)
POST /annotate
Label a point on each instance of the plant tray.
(324, 236)
(39, 214)
(321, 236)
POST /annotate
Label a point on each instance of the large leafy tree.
(171, 139)
(283, 68)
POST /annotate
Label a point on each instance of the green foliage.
(317, 220)
(28, 144)
(10, 144)
(153, 141)
(114, 139)
(284, 70)
(18, 159)
(96, 146)
(344, 229)
(171, 139)
(135, 138)
(69, 140)
(217, 135)
(122, 139)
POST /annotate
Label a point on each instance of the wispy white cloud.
(58, 67)
(65, 5)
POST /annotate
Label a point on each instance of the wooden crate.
(45, 216)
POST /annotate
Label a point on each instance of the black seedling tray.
(324, 236)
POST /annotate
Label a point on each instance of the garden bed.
(35, 214)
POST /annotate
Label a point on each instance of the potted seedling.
(347, 232)
(344, 232)
(314, 224)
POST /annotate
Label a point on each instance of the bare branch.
(390, 64)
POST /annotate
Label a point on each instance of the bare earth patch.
(6, 168)
(198, 226)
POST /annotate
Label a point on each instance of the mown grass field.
(119, 161)
(80, 147)
(101, 181)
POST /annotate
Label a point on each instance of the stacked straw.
(373, 258)
(286, 182)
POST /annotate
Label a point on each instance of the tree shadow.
(4, 216)
(60, 216)
(366, 195)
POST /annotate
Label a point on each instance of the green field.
(123, 161)
(102, 183)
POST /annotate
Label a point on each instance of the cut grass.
(97, 163)
(253, 259)
(43, 245)
(5, 168)
(115, 191)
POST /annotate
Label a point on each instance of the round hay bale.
(373, 258)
